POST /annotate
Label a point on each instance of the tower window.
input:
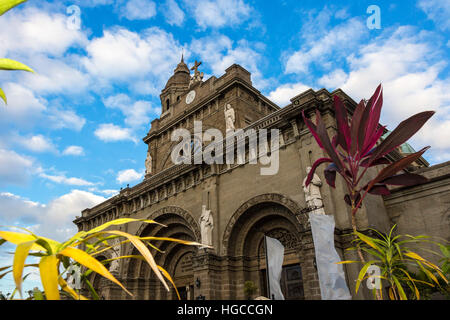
(167, 104)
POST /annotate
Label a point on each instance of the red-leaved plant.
(353, 150)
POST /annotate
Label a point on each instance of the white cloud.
(53, 220)
(55, 76)
(408, 65)
(23, 106)
(65, 119)
(334, 79)
(14, 168)
(122, 55)
(62, 179)
(219, 13)
(73, 151)
(37, 143)
(32, 30)
(109, 132)
(327, 49)
(139, 9)
(438, 11)
(173, 13)
(129, 175)
(136, 113)
(285, 92)
(220, 52)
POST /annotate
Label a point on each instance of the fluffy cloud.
(408, 64)
(139, 9)
(62, 179)
(14, 168)
(129, 175)
(135, 112)
(65, 119)
(438, 11)
(73, 151)
(172, 12)
(122, 55)
(37, 143)
(284, 93)
(53, 220)
(220, 52)
(219, 13)
(333, 45)
(109, 132)
(24, 107)
(32, 30)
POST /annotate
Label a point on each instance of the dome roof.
(181, 75)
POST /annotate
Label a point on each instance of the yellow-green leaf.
(400, 289)
(361, 274)
(5, 5)
(20, 256)
(69, 290)
(119, 222)
(86, 260)
(49, 276)
(142, 248)
(189, 243)
(3, 96)
(9, 64)
(167, 275)
(18, 237)
(368, 240)
(347, 261)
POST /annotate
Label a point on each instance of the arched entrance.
(246, 242)
(174, 257)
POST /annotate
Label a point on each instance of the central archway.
(277, 217)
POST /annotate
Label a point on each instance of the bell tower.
(177, 84)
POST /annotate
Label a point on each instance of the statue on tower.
(198, 76)
(148, 163)
(229, 117)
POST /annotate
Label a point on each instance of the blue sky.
(70, 135)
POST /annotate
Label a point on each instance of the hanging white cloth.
(331, 275)
(275, 256)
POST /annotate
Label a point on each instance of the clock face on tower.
(190, 97)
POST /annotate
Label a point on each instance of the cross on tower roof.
(196, 65)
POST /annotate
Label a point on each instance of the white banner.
(331, 275)
(275, 257)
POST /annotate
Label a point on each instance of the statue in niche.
(115, 248)
(229, 117)
(312, 193)
(206, 226)
(148, 163)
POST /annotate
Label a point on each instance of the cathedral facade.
(232, 205)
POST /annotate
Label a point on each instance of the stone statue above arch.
(313, 196)
(206, 226)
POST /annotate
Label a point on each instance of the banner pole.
(267, 268)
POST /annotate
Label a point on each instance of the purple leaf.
(396, 167)
(356, 120)
(312, 128)
(379, 189)
(327, 146)
(317, 163)
(342, 121)
(377, 162)
(406, 179)
(405, 130)
(330, 174)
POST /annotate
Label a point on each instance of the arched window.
(167, 104)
